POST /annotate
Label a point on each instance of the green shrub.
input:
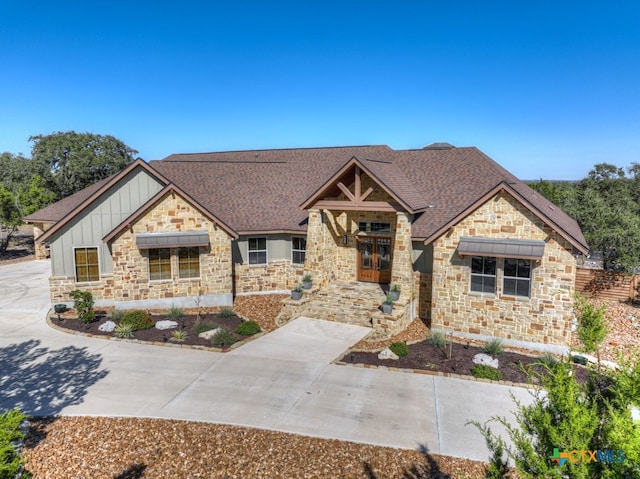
(175, 313)
(487, 372)
(116, 315)
(10, 433)
(248, 328)
(307, 277)
(123, 330)
(83, 304)
(138, 320)
(223, 339)
(493, 347)
(437, 339)
(400, 348)
(178, 336)
(202, 327)
(226, 312)
(548, 360)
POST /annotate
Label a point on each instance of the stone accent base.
(275, 276)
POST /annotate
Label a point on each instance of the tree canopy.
(70, 161)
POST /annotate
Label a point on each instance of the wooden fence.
(608, 285)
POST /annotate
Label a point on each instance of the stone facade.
(130, 282)
(41, 249)
(278, 275)
(544, 317)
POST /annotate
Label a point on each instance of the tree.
(70, 161)
(591, 328)
(568, 416)
(10, 217)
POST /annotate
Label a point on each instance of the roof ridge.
(281, 149)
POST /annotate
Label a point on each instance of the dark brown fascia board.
(504, 186)
(353, 161)
(272, 232)
(161, 194)
(137, 163)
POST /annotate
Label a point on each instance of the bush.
(178, 336)
(202, 327)
(493, 347)
(138, 320)
(175, 313)
(10, 434)
(83, 304)
(486, 372)
(400, 348)
(437, 339)
(123, 330)
(116, 315)
(226, 312)
(548, 360)
(223, 339)
(248, 328)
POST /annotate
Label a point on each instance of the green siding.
(422, 257)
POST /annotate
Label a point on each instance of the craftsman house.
(472, 248)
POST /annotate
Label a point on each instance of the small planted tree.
(591, 329)
(83, 304)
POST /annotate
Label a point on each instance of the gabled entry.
(374, 259)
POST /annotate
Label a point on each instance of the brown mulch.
(457, 360)
(261, 308)
(188, 322)
(121, 448)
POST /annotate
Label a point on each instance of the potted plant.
(296, 293)
(307, 281)
(395, 292)
(387, 306)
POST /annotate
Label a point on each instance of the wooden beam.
(356, 206)
(366, 194)
(358, 188)
(346, 191)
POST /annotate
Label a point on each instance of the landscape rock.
(166, 324)
(387, 354)
(209, 334)
(107, 326)
(485, 359)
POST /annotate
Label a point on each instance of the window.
(257, 250)
(483, 274)
(369, 227)
(517, 277)
(159, 264)
(87, 267)
(298, 249)
(189, 262)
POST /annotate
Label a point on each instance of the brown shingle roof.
(262, 190)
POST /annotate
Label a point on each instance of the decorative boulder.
(166, 324)
(209, 334)
(482, 358)
(387, 354)
(107, 326)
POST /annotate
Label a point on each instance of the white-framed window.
(483, 274)
(517, 277)
(86, 263)
(257, 250)
(298, 249)
(159, 264)
(189, 262)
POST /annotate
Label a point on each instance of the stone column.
(315, 255)
(402, 268)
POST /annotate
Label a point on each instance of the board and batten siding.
(96, 221)
(278, 247)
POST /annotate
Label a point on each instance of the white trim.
(299, 250)
(517, 278)
(149, 267)
(75, 269)
(180, 278)
(495, 276)
(265, 250)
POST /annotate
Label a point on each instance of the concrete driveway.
(282, 381)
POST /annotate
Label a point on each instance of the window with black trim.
(87, 265)
(483, 274)
(517, 277)
(159, 264)
(257, 250)
(189, 262)
(298, 249)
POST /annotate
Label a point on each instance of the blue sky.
(547, 89)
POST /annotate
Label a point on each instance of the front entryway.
(374, 259)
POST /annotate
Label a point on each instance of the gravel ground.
(623, 323)
(261, 308)
(127, 448)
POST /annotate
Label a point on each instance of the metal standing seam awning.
(172, 240)
(501, 248)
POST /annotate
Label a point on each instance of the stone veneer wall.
(544, 317)
(423, 287)
(41, 250)
(278, 275)
(130, 278)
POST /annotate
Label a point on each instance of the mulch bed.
(68, 320)
(427, 357)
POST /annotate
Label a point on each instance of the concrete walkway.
(282, 381)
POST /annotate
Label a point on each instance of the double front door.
(374, 259)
